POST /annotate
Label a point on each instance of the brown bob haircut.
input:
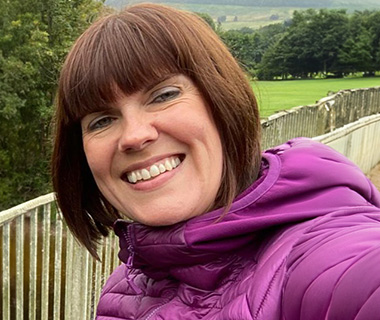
(131, 49)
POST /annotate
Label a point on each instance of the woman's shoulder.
(306, 156)
(333, 269)
(318, 168)
(307, 148)
(322, 268)
(115, 280)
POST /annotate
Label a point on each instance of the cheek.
(96, 156)
(193, 126)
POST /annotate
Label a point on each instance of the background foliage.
(324, 42)
(315, 43)
(35, 35)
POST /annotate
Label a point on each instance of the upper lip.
(146, 163)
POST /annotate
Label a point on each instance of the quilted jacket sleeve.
(334, 270)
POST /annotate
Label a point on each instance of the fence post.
(6, 274)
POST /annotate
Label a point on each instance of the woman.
(157, 124)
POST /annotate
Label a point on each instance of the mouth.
(153, 171)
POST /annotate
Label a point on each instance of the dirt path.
(374, 175)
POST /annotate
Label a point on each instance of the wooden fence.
(46, 275)
(325, 116)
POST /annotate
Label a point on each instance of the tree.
(310, 45)
(373, 25)
(35, 36)
(356, 54)
(294, 52)
(206, 17)
(245, 47)
(222, 19)
(333, 26)
(273, 63)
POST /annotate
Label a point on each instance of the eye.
(166, 94)
(100, 123)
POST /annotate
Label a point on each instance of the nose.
(137, 132)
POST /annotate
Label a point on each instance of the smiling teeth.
(154, 171)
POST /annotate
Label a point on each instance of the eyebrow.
(148, 88)
(160, 80)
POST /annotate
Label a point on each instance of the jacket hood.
(299, 180)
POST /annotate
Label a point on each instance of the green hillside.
(237, 14)
(349, 4)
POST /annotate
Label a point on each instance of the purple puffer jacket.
(303, 242)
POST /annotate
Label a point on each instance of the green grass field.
(275, 96)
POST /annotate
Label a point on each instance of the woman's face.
(156, 155)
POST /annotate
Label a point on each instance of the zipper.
(129, 264)
(129, 268)
(155, 310)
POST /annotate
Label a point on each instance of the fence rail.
(325, 116)
(358, 141)
(46, 274)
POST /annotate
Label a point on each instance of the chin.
(163, 221)
(159, 215)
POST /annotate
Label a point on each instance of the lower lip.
(157, 182)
